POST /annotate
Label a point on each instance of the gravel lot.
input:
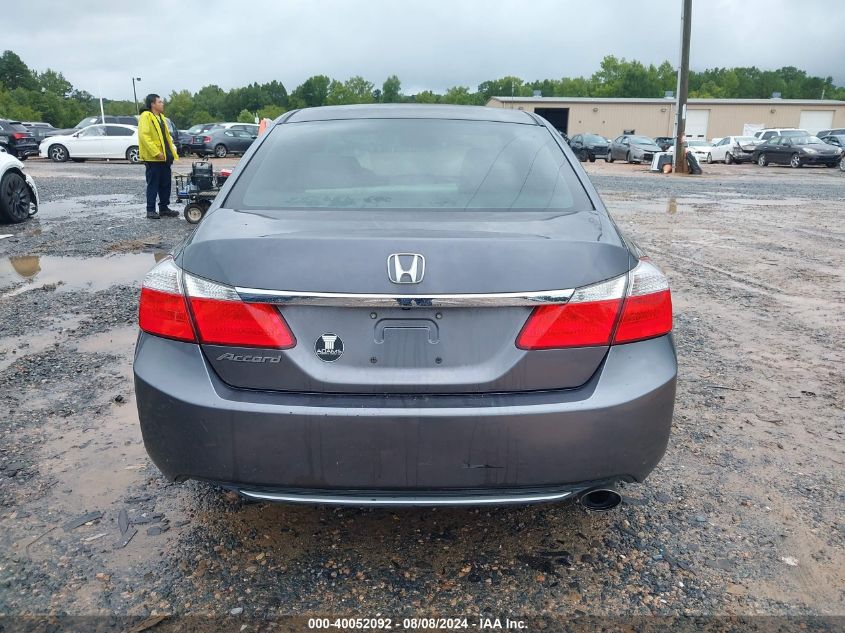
(743, 517)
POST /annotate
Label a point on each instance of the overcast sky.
(429, 44)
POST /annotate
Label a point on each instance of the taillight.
(592, 313)
(648, 306)
(18, 136)
(216, 316)
(222, 318)
(586, 319)
(163, 310)
(206, 139)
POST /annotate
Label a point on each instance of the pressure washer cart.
(198, 189)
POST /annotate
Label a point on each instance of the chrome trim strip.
(354, 500)
(354, 300)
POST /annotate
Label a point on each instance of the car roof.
(410, 111)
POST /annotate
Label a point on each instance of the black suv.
(589, 146)
(91, 120)
(17, 140)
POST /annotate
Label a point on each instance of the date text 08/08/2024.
(381, 623)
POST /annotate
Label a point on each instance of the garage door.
(815, 120)
(697, 123)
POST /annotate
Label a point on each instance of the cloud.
(429, 44)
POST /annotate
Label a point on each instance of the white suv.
(768, 132)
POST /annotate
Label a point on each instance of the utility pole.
(134, 94)
(681, 166)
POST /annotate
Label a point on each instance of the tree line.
(29, 95)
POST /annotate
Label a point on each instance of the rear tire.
(58, 153)
(609, 157)
(842, 164)
(762, 160)
(709, 158)
(592, 158)
(220, 151)
(23, 158)
(795, 161)
(15, 198)
(628, 158)
(728, 158)
(133, 155)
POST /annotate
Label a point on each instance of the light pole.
(134, 94)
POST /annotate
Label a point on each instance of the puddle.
(120, 205)
(74, 273)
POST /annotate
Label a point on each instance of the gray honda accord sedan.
(402, 304)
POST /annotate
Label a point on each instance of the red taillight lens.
(18, 135)
(647, 312)
(219, 316)
(645, 317)
(586, 319)
(163, 310)
(223, 319)
(206, 139)
(591, 314)
(240, 324)
(569, 325)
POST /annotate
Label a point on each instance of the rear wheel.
(132, 155)
(728, 158)
(58, 153)
(15, 198)
(795, 160)
(23, 157)
(762, 160)
(220, 151)
(592, 158)
(609, 157)
(709, 158)
(628, 157)
(842, 164)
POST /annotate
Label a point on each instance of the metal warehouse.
(706, 118)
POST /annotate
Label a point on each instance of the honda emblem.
(406, 268)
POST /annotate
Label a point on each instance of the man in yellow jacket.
(158, 153)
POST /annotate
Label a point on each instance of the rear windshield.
(14, 126)
(594, 138)
(408, 164)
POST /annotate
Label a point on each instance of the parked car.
(835, 132)
(664, 142)
(698, 148)
(796, 151)
(197, 133)
(837, 140)
(766, 133)
(17, 140)
(18, 193)
(93, 142)
(38, 129)
(734, 149)
(589, 146)
(93, 120)
(183, 142)
(224, 139)
(632, 148)
(372, 382)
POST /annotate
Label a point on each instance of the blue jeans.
(158, 184)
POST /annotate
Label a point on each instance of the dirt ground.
(744, 516)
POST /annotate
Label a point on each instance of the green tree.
(271, 112)
(426, 96)
(391, 90)
(245, 116)
(54, 83)
(311, 93)
(14, 73)
(461, 95)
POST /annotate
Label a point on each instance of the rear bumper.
(369, 449)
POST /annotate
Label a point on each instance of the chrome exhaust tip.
(600, 499)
